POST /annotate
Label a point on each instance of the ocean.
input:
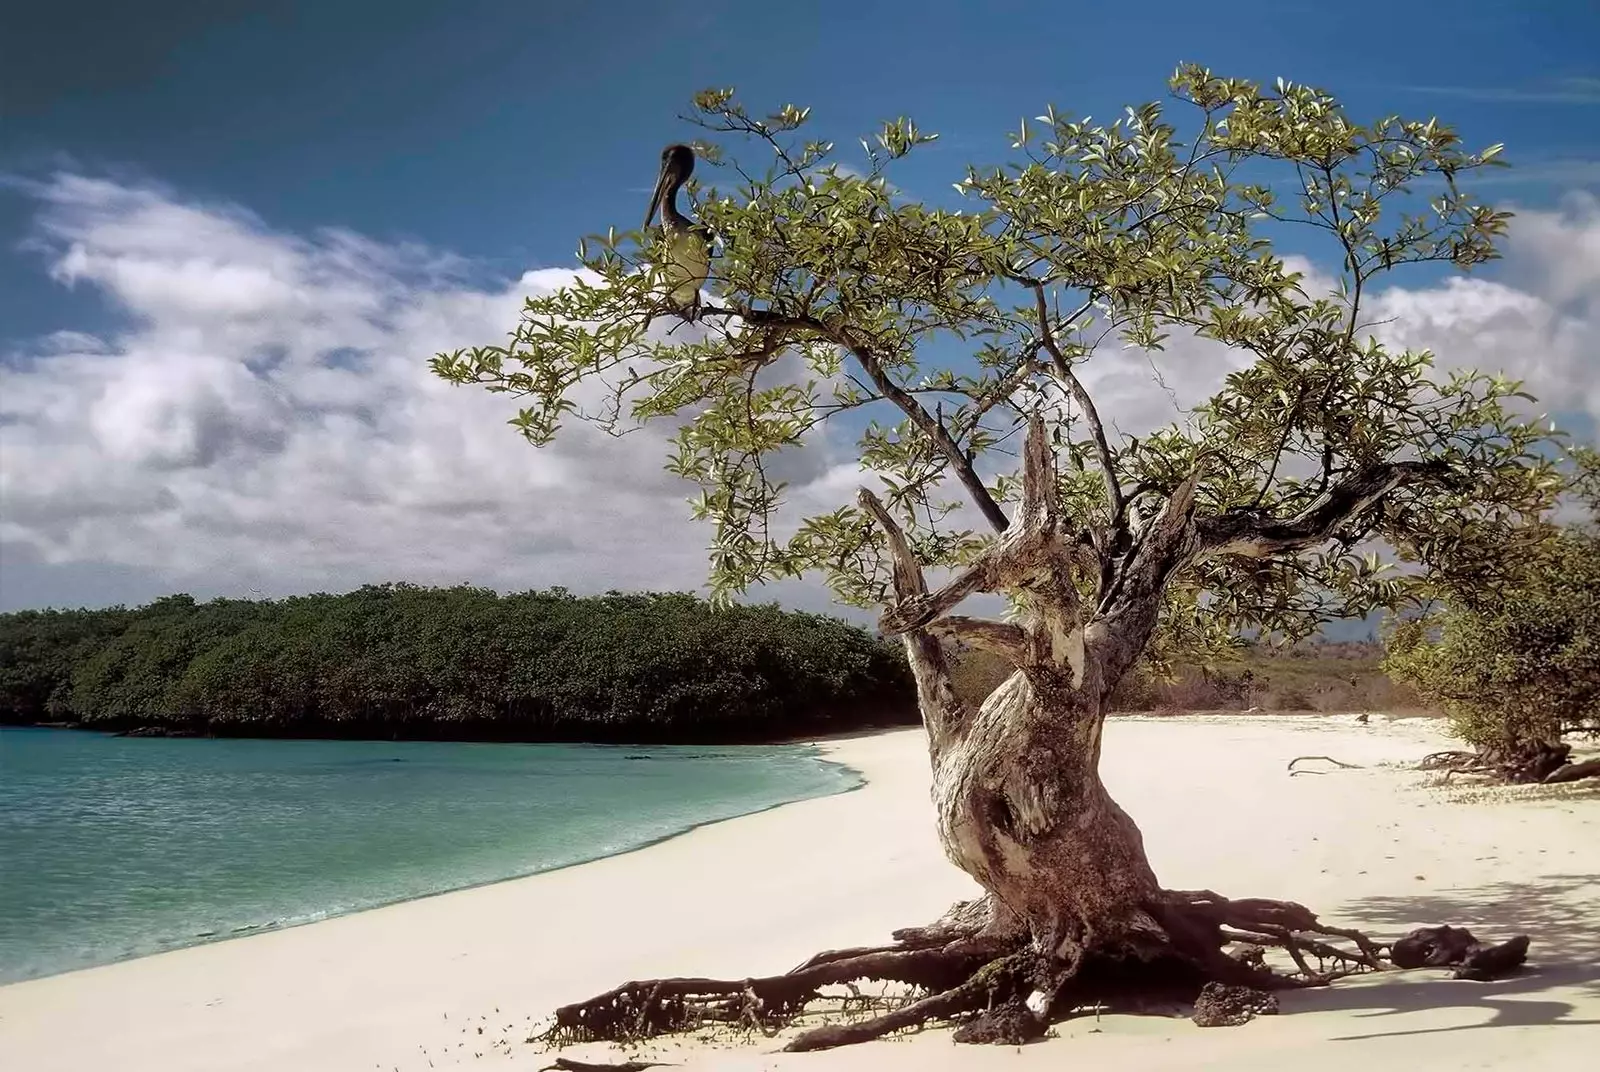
(114, 847)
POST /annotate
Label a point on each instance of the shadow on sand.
(1560, 912)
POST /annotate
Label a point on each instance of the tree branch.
(1130, 607)
(1030, 555)
(919, 611)
(1079, 393)
(907, 403)
(1130, 610)
(1283, 441)
(1002, 389)
(1254, 534)
(909, 582)
(935, 430)
(943, 712)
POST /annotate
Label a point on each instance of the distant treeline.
(1327, 676)
(399, 660)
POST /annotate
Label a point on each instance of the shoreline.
(817, 754)
(157, 731)
(409, 986)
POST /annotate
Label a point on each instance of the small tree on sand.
(835, 299)
(1511, 647)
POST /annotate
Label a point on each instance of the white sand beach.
(460, 980)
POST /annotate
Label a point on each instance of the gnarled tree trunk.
(1021, 809)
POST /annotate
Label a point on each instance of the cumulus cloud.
(1539, 322)
(265, 420)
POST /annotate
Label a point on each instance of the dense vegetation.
(1509, 645)
(1515, 662)
(404, 661)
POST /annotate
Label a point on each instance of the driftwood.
(1440, 947)
(1573, 772)
(1433, 947)
(1493, 961)
(567, 1064)
(1327, 759)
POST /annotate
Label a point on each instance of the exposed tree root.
(978, 991)
(1454, 761)
(999, 987)
(1527, 762)
(645, 1009)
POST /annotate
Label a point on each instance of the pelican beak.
(660, 190)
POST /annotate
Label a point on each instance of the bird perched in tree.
(687, 260)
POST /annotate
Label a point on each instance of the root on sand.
(1002, 989)
(1531, 762)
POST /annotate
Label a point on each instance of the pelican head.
(686, 254)
(677, 164)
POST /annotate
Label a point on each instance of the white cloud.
(1540, 321)
(266, 420)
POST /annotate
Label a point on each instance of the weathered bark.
(1016, 786)
(1020, 807)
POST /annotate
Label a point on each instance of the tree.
(1512, 648)
(837, 299)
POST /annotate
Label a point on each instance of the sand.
(458, 981)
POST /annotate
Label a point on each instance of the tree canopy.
(939, 329)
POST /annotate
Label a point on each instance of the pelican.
(688, 254)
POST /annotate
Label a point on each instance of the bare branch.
(943, 712)
(908, 580)
(1038, 478)
(918, 612)
(1031, 554)
(1080, 394)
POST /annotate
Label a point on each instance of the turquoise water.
(115, 847)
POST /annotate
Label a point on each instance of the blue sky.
(499, 133)
(502, 131)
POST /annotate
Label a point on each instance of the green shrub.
(400, 660)
(1515, 659)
